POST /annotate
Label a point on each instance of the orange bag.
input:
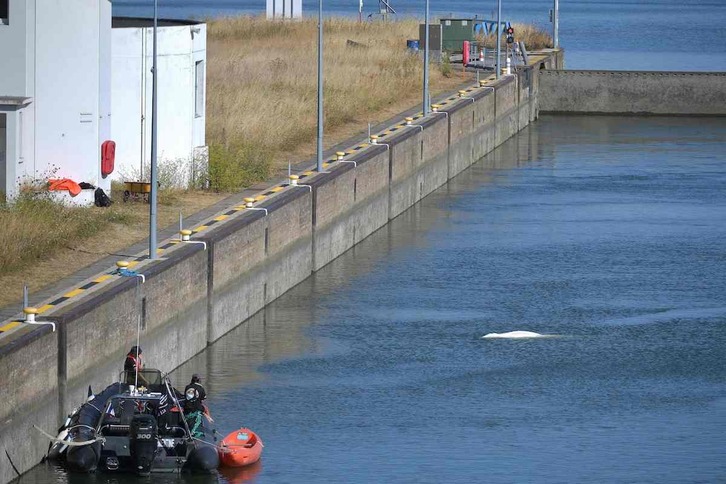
(58, 184)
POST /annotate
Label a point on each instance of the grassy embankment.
(261, 95)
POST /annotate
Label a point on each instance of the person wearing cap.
(132, 364)
(194, 394)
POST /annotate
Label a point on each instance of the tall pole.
(320, 85)
(556, 23)
(499, 38)
(426, 62)
(154, 121)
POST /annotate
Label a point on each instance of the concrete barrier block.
(112, 314)
(507, 115)
(462, 126)
(406, 153)
(627, 92)
(462, 120)
(371, 195)
(484, 118)
(174, 284)
(372, 173)
(236, 301)
(236, 289)
(333, 194)
(290, 219)
(28, 369)
(238, 246)
(286, 270)
(289, 247)
(435, 137)
(333, 221)
(23, 443)
(524, 88)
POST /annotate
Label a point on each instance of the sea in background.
(669, 35)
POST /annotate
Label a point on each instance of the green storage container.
(454, 31)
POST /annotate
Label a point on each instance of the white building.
(64, 70)
(281, 9)
(55, 90)
(181, 58)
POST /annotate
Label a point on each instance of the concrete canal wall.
(622, 92)
(240, 262)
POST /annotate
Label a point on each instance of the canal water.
(606, 234)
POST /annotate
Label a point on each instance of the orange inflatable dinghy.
(240, 448)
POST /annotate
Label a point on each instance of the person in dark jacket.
(132, 364)
(194, 394)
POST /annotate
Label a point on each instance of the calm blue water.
(607, 232)
(668, 35)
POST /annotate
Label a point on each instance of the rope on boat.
(68, 442)
(218, 447)
(92, 405)
(81, 426)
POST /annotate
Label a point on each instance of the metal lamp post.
(426, 106)
(154, 121)
(320, 86)
(499, 38)
(556, 25)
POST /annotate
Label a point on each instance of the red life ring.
(108, 157)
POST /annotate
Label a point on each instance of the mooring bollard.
(293, 180)
(30, 313)
(482, 83)
(409, 121)
(249, 202)
(340, 155)
(435, 108)
(374, 139)
(185, 235)
(122, 264)
(462, 93)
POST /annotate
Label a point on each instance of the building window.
(199, 89)
(4, 12)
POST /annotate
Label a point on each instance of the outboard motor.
(143, 442)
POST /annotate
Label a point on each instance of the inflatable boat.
(240, 448)
(137, 430)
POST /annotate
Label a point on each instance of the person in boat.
(133, 364)
(194, 395)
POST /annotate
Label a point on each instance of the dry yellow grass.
(42, 242)
(261, 113)
(262, 87)
(534, 37)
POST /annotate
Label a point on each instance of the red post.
(465, 53)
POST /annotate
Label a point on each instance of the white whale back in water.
(514, 335)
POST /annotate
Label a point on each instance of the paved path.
(62, 286)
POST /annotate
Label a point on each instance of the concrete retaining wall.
(198, 292)
(620, 92)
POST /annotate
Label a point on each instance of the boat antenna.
(138, 342)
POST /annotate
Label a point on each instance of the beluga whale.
(515, 335)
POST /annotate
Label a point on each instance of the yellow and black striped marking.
(219, 218)
(65, 297)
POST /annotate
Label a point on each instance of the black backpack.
(100, 199)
